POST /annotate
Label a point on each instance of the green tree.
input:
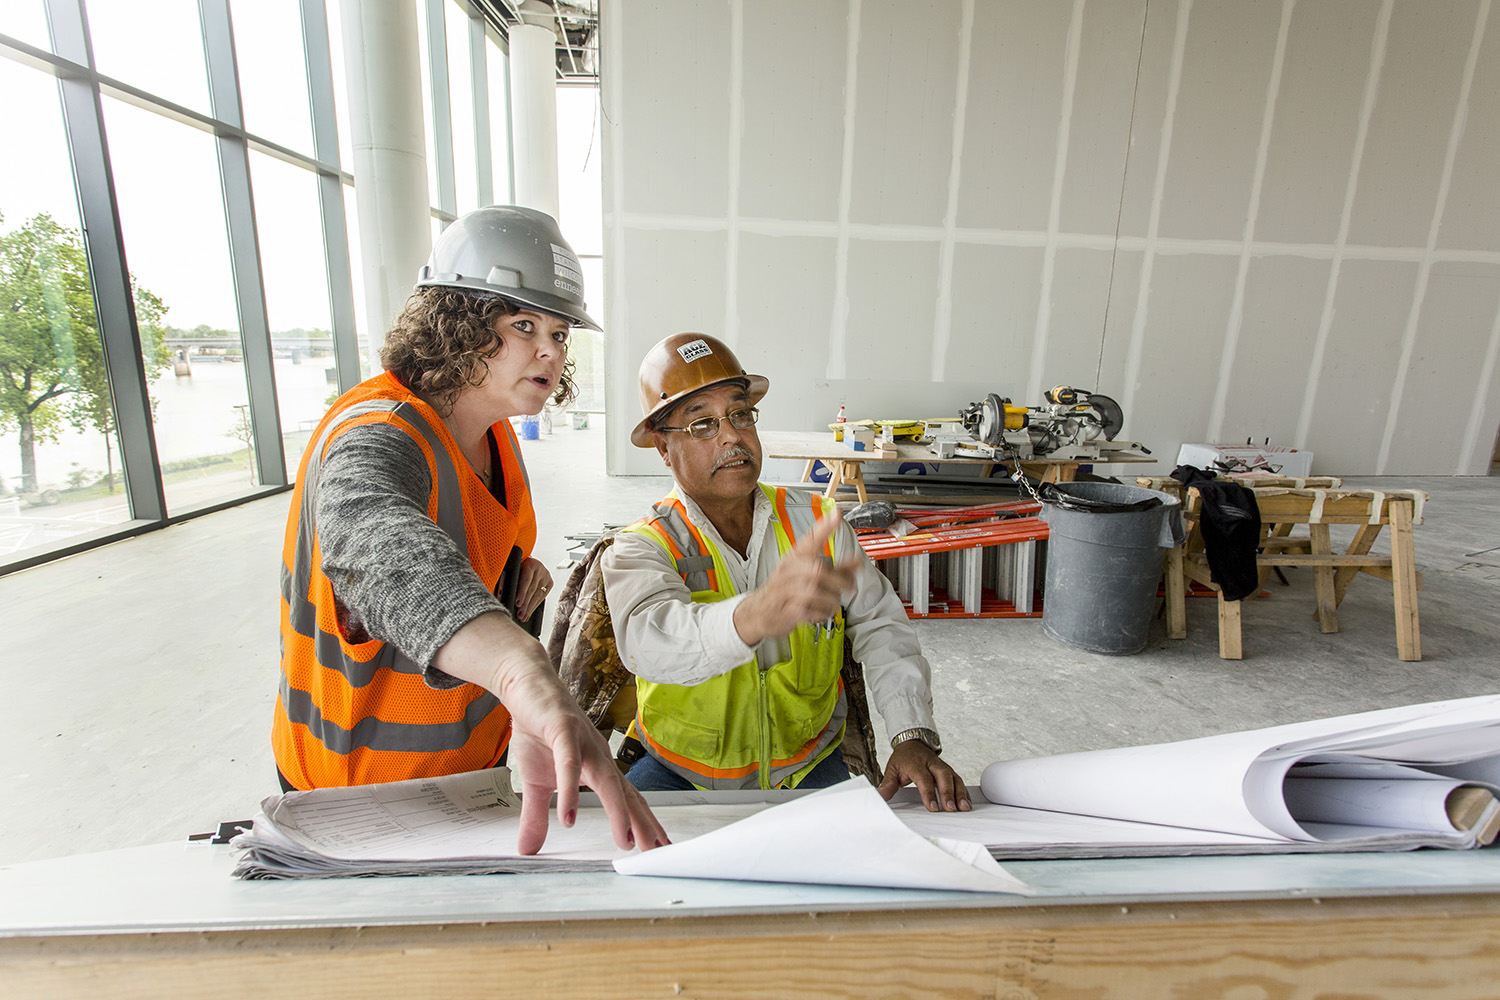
(90, 407)
(52, 368)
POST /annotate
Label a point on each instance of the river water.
(195, 417)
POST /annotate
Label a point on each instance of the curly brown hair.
(439, 343)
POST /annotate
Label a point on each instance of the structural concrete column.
(390, 156)
(533, 115)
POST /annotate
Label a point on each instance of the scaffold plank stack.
(965, 562)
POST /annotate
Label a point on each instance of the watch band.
(927, 736)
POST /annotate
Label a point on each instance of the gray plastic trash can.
(1103, 565)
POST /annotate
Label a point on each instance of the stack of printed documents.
(467, 824)
(1395, 779)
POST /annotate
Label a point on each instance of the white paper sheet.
(1485, 769)
(1016, 831)
(842, 835)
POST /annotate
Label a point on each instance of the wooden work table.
(169, 920)
(846, 465)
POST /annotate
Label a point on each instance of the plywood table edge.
(1448, 943)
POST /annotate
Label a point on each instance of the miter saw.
(1073, 425)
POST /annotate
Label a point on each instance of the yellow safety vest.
(756, 725)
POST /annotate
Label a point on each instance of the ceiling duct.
(574, 22)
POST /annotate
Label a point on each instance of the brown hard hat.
(679, 366)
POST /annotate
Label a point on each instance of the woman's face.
(525, 372)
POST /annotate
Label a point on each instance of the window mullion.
(479, 86)
(442, 108)
(244, 251)
(331, 195)
(114, 305)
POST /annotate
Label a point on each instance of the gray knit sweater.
(396, 575)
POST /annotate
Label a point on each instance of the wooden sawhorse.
(1282, 508)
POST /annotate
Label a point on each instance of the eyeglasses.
(707, 427)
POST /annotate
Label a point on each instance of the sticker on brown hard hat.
(694, 350)
(680, 365)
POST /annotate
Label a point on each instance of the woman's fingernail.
(571, 818)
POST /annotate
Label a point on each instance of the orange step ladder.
(987, 558)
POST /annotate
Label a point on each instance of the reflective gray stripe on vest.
(695, 563)
(373, 733)
(515, 449)
(296, 581)
(799, 510)
(330, 654)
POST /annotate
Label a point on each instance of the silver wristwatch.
(928, 736)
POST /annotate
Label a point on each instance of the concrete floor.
(143, 673)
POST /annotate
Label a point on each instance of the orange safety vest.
(356, 713)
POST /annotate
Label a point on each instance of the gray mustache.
(731, 454)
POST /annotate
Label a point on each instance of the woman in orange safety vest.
(407, 578)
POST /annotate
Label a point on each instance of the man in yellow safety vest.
(731, 599)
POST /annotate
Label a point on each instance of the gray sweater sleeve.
(396, 575)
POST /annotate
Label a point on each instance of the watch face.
(930, 737)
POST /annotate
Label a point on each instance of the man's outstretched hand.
(802, 588)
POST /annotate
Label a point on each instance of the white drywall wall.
(906, 204)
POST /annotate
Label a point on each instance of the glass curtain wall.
(461, 109)
(25, 21)
(131, 228)
(60, 470)
(179, 252)
(294, 270)
(176, 239)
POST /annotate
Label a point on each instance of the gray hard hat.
(516, 252)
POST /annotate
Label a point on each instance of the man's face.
(722, 467)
